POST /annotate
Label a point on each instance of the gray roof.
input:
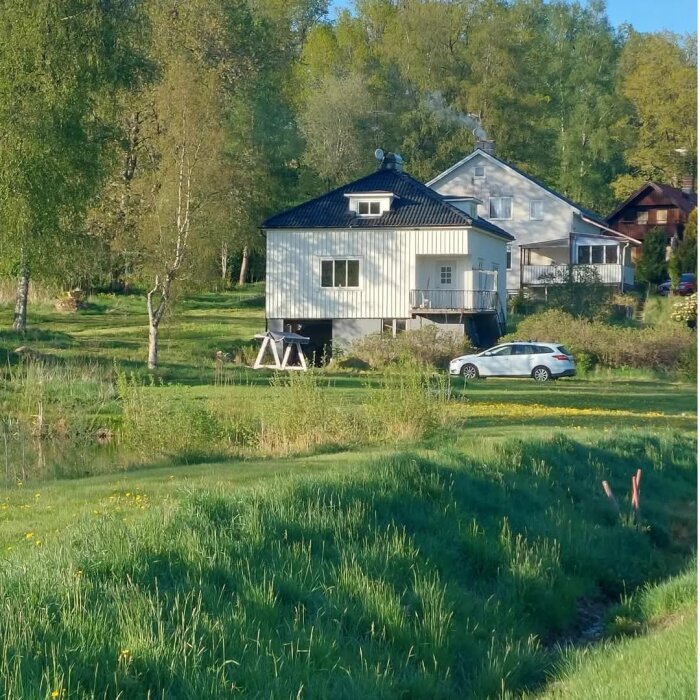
(414, 206)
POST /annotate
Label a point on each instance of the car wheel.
(541, 374)
(470, 371)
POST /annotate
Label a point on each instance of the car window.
(542, 350)
(687, 277)
(499, 351)
(523, 350)
(563, 350)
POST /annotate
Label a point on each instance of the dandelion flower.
(29, 535)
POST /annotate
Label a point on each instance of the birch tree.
(184, 188)
(57, 62)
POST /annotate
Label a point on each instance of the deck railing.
(609, 273)
(453, 300)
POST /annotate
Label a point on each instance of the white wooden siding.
(387, 268)
(559, 217)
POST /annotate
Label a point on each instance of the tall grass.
(54, 414)
(400, 577)
(661, 664)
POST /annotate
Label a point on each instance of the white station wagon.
(527, 358)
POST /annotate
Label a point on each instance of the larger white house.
(551, 232)
(384, 253)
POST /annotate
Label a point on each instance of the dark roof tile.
(414, 206)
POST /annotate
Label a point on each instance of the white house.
(384, 254)
(551, 232)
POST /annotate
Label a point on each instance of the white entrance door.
(446, 276)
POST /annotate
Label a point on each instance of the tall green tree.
(658, 76)
(58, 60)
(651, 267)
(685, 257)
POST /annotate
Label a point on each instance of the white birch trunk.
(152, 345)
(19, 323)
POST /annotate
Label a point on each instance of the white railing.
(453, 299)
(609, 273)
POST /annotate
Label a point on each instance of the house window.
(479, 171)
(509, 258)
(536, 210)
(597, 254)
(340, 273)
(446, 274)
(368, 208)
(661, 216)
(393, 326)
(642, 217)
(500, 207)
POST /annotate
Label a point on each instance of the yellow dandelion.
(55, 693)
(29, 535)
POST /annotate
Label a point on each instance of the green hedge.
(596, 343)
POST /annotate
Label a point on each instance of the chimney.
(391, 161)
(687, 183)
(486, 145)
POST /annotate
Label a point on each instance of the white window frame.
(509, 257)
(492, 200)
(642, 216)
(333, 262)
(534, 216)
(663, 220)
(477, 175)
(369, 204)
(446, 271)
(588, 247)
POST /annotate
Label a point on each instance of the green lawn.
(188, 558)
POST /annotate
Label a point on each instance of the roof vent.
(389, 161)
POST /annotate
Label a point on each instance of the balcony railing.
(609, 273)
(453, 300)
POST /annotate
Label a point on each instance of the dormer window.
(369, 208)
(369, 204)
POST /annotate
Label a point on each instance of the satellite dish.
(379, 154)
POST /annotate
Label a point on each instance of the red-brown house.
(654, 206)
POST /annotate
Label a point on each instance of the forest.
(143, 142)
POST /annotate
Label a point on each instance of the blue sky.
(679, 16)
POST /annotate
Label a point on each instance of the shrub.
(688, 363)
(427, 346)
(685, 310)
(612, 346)
(578, 290)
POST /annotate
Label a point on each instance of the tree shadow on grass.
(406, 577)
